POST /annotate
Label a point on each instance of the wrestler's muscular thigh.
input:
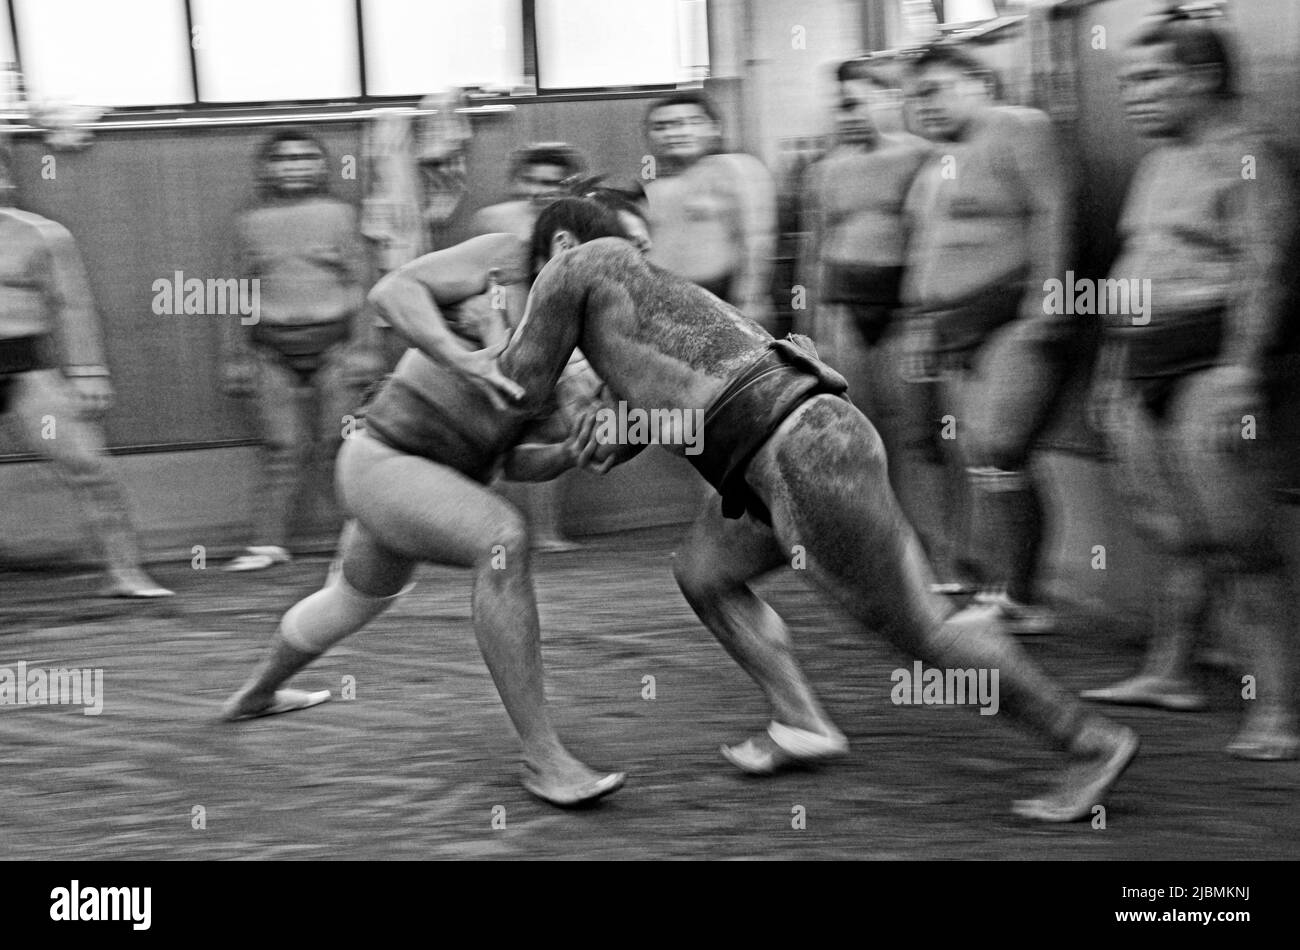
(722, 553)
(420, 510)
(721, 557)
(825, 479)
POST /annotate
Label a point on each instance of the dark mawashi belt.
(750, 409)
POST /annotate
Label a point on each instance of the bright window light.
(6, 36)
(598, 43)
(415, 47)
(968, 11)
(275, 50)
(89, 52)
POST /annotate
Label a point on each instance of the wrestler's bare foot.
(781, 748)
(133, 583)
(555, 545)
(567, 783)
(1161, 692)
(1100, 754)
(249, 703)
(1267, 736)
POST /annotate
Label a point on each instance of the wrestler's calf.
(823, 477)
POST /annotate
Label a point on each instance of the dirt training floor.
(422, 762)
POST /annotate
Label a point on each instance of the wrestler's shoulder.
(1017, 120)
(330, 205)
(1238, 138)
(730, 165)
(506, 217)
(34, 229)
(915, 146)
(605, 251)
(499, 250)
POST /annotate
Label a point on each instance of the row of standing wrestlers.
(927, 263)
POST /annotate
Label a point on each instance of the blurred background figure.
(538, 173)
(53, 380)
(712, 214)
(1193, 407)
(310, 339)
(992, 221)
(852, 265)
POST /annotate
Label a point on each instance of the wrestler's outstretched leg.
(824, 478)
(1268, 729)
(424, 511)
(720, 558)
(363, 582)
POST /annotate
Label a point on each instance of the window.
(593, 43)
(124, 53)
(419, 46)
(134, 53)
(275, 50)
(917, 23)
(968, 11)
(6, 36)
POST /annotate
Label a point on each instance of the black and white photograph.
(650, 431)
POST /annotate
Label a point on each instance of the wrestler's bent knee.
(508, 544)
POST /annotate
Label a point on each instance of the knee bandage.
(334, 612)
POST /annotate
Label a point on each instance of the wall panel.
(143, 204)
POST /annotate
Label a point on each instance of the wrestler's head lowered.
(665, 346)
(563, 225)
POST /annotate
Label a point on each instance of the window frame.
(530, 87)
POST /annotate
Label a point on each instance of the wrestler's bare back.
(658, 341)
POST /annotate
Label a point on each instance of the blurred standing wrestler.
(303, 247)
(712, 214)
(415, 484)
(1200, 422)
(537, 176)
(991, 216)
(53, 380)
(853, 263)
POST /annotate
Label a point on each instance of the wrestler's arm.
(411, 297)
(238, 367)
(76, 324)
(535, 462)
(1040, 166)
(583, 395)
(354, 271)
(1262, 222)
(812, 224)
(541, 461)
(539, 457)
(753, 195)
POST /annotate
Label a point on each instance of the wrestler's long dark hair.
(585, 218)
